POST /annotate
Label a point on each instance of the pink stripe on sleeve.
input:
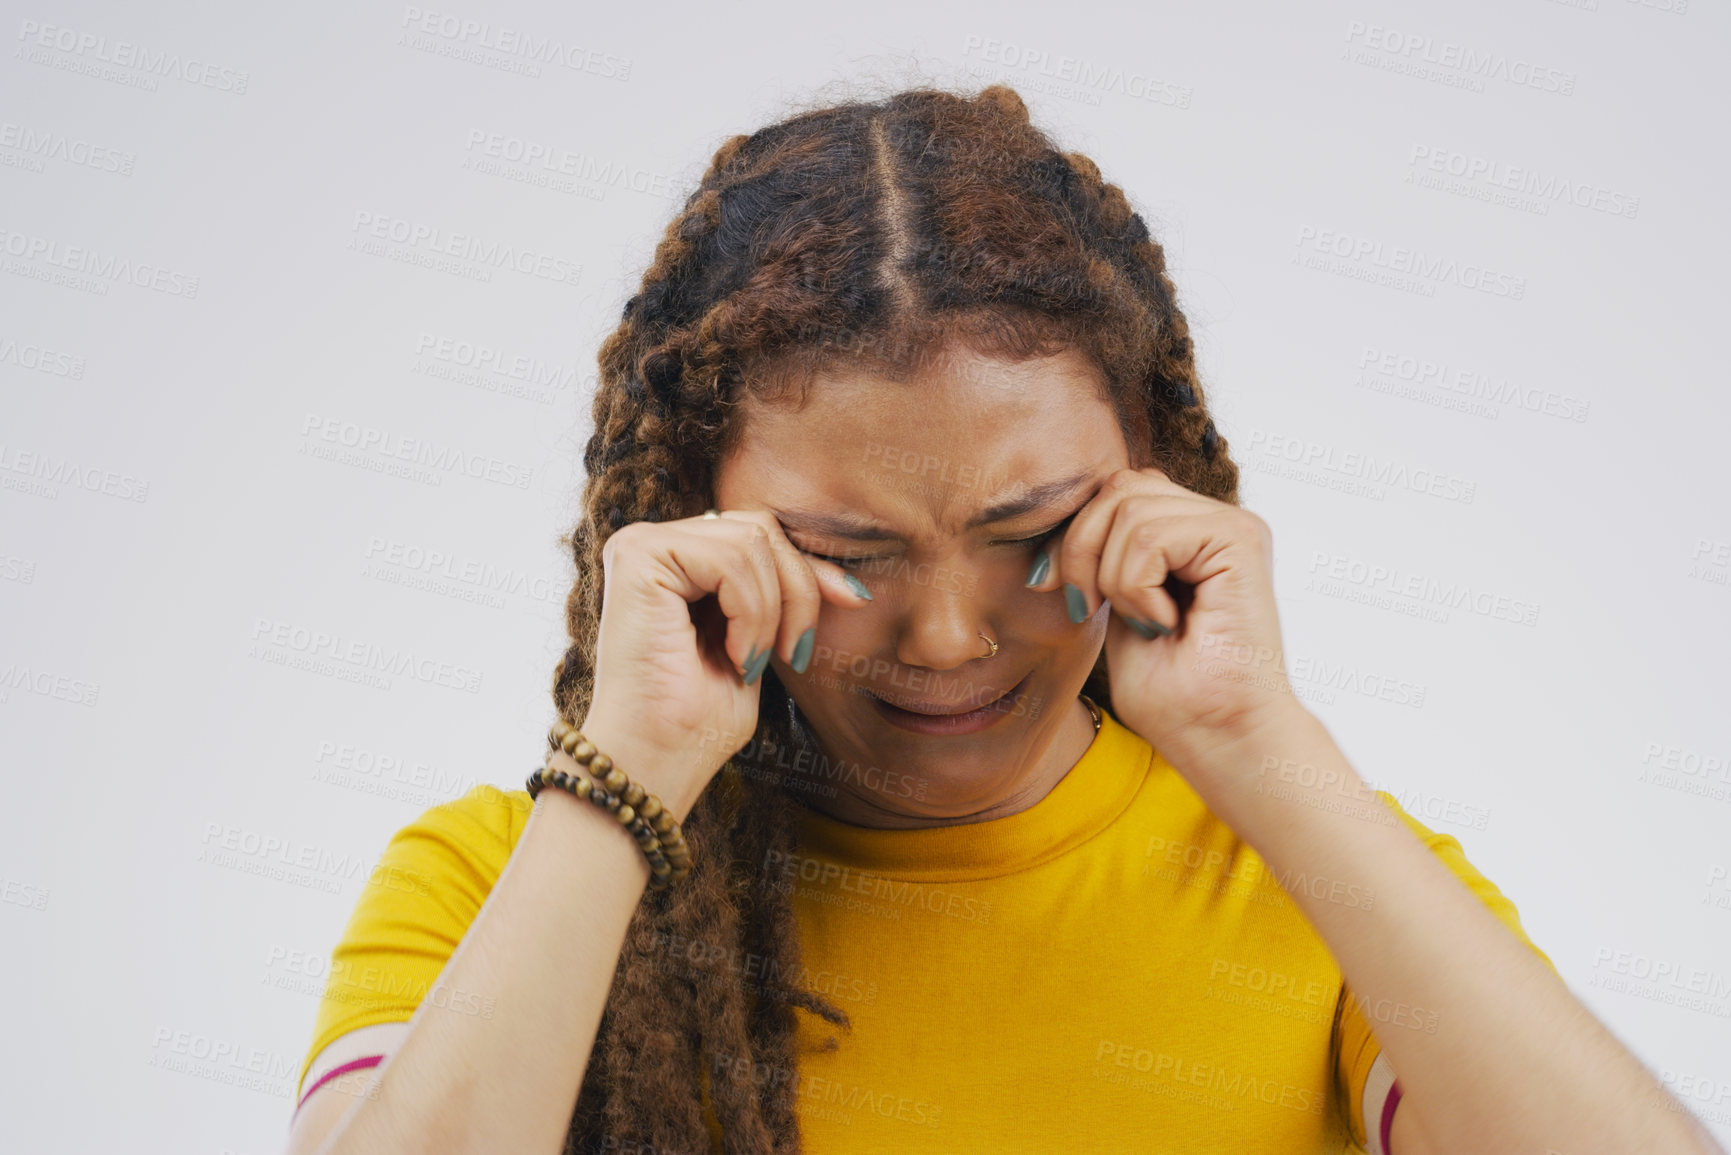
(362, 1064)
(1388, 1106)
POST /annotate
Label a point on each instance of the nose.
(941, 623)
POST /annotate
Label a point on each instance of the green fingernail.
(857, 587)
(1148, 629)
(1041, 567)
(749, 658)
(758, 667)
(802, 651)
(1076, 603)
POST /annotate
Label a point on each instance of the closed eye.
(1037, 539)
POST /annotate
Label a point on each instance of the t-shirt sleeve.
(414, 909)
(1364, 1080)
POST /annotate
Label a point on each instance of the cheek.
(1040, 617)
(843, 647)
(848, 638)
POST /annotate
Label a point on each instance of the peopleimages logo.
(360, 655)
(563, 162)
(1407, 262)
(80, 259)
(124, 54)
(430, 239)
(45, 144)
(55, 471)
(40, 359)
(1474, 63)
(528, 46)
(1496, 176)
(1090, 77)
(1468, 381)
(413, 450)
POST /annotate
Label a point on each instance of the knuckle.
(763, 546)
(1257, 528)
(1121, 481)
(618, 540)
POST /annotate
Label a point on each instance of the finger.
(1168, 548)
(716, 557)
(1079, 557)
(835, 584)
(1133, 570)
(800, 595)
(1075, 552)
(1044, 574)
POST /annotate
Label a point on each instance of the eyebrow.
(856, 528)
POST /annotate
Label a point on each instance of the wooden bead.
(651, 825)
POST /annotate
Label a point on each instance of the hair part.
(872, 234)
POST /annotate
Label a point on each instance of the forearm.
(544, 947)
(1516, 1063)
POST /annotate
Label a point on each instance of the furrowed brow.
(852, 527)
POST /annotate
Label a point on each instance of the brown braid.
(864, 232)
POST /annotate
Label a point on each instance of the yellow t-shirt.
(1111, 969)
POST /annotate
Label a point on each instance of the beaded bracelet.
(598, 780)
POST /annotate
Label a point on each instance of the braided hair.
(868, 233)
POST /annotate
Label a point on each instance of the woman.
(929, 610)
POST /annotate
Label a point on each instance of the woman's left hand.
(1218, 673)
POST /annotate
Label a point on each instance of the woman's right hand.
(685, 605)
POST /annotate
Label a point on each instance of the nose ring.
(992, 644)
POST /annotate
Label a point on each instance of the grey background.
(164, 511)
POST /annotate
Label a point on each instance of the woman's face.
(936, 493)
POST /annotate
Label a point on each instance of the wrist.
(677, 778)
(564, 808)
(1202, 749)
(1264, 774)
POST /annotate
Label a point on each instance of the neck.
(877, 810)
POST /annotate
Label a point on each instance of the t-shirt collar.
(1089, 797)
